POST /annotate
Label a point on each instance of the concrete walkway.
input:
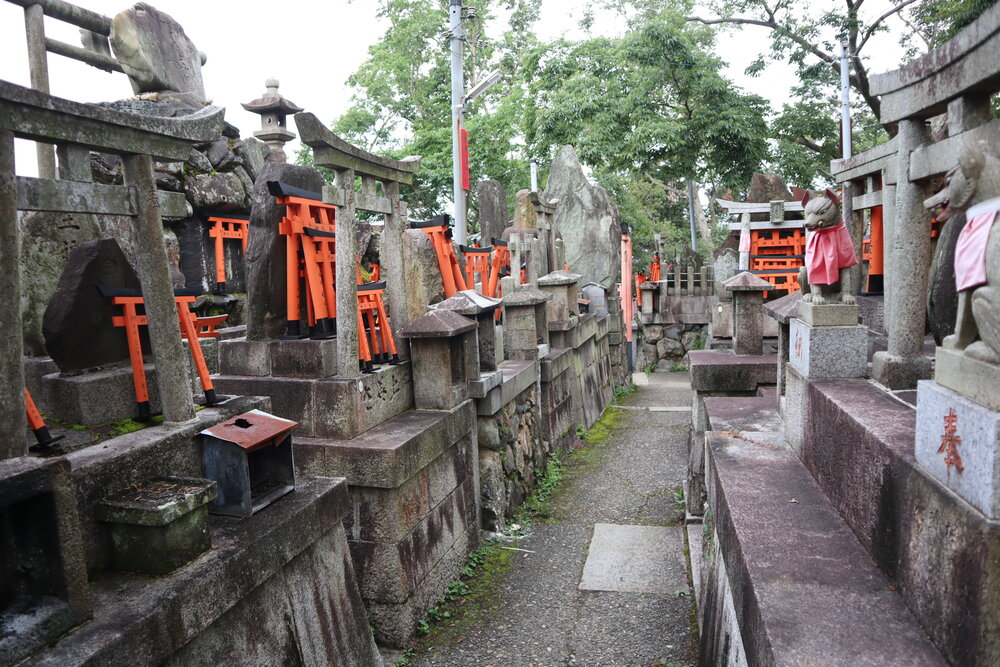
(605, 582)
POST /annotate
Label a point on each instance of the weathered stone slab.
(937, 550)
(828, 315)
(78, 330)
(493, 216)
(721, 370)
(267, 306)
(957, 442)
(635, 559)
(155, 52)
(389, 454)
(586, 219)
(742, 413)
(828, 351)
(787, 550)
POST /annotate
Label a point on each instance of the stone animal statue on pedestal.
(829, 253)
(974, 186)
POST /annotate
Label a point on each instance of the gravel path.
(531, 610)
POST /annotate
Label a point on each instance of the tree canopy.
(647, 110)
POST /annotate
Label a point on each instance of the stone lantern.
(273, 109)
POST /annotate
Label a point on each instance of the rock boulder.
(586, 219)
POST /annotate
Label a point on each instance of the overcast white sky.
(313, 46)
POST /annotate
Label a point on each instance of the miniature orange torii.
(309, 227)
(439, 232)
(131, 300)
(233, 227)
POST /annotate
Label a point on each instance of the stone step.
(793, 585)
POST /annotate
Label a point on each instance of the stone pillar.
(888, 234)
(903, 364)
(564, 306)
(482, 309)
(158, 293)
(855, 223)
(526, 331)
(748, 312)
(515, 258)
(444, 357)
(347, 279)
(12, 438)
(38, 68)
(391, 256)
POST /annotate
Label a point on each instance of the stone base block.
(721, 370)
(970, 377)
(897, 372)
(304, 358)
(829, 314)
(794, 411)
(957, 441)
(828, 351)
(331, 407)
(281, 582)
(98, 398)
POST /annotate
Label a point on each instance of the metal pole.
(534, 175)
(845, 101)
(457, 93)
(694, 241)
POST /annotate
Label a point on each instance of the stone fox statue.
(974, 186)
(829, 252)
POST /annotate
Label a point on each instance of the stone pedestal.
(526, 328)
(482, 309)
(564, 306)
(748, 313)
(159, 526)
(828, 315)
(956, 442)
(828, 352)
(445, 357)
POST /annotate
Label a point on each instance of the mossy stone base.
(161, 549)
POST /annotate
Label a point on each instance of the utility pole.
(694, 241)
(845, 101)
(457, 108)
(534, 175)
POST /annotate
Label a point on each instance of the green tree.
(647, 111)
(807, 130)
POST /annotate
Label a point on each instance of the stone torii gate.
(76, 129)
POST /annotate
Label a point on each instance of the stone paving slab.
(635, 559)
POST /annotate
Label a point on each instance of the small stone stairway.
(783, 580)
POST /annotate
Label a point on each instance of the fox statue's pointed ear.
(805, 200)
(832, 196)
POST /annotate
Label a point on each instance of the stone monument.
(587, 221)
(156, 53)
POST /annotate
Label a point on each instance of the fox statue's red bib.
(829, 252)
